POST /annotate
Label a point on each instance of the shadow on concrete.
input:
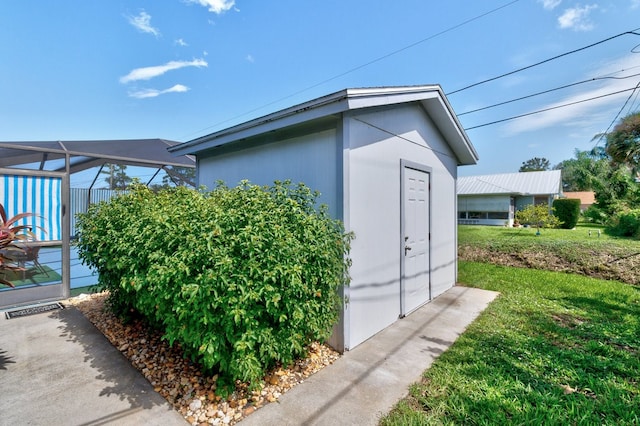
(408, 339)
(113, 369)
(441, 345)
(5, 359)
(60, 370)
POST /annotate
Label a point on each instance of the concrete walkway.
(368, 381)
(56, 368)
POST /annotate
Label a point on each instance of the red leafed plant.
(10, 234)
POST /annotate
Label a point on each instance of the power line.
(616, 117)
(551, 108)
(373, 61)
(632, 106)
(544, 61)
(546, 91)
(403, 138)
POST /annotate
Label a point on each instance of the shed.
(385, 161)
(494, 199)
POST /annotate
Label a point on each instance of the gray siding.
(311, 159)
(372, 211)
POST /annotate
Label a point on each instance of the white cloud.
(152, 93)
(181, 42)
(550, 4)
(586, 113)
(635, 4)
(148, 73)
(577, 18)
(143, 23)
(215, 6)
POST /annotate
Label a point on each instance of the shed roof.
(431, 97)
(87, 154)
(523, 183)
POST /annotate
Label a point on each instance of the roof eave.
(431, 96)
(317, 108)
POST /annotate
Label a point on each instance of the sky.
(181, 69)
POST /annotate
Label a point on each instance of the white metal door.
(415, 283)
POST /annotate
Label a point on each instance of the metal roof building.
(494, 199)
(527, 183)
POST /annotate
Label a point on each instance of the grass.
(583, 234)
(554, 348)
(580, 251)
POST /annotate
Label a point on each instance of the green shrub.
(538, 216)
(241, 278)
(595, 214)
(567, 210)
(626, 224)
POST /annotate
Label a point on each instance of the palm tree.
(623, 142)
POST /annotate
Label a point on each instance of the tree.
(584, 172)
(623, 142)
(117, 177)
(184, 176)
(616, 191)
(538, 215)
(535, 164)
(176, 176)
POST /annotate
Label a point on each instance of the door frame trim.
(406, 164)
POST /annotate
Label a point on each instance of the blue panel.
(34, 194)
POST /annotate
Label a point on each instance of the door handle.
(406, 249)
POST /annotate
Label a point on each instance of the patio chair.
(30, 254)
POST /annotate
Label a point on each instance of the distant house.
(494, 199)
(385, 160)
(587, 198)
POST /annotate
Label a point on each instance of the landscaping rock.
(181, 382)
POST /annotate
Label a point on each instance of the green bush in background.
(242, 278)
(626, 224)
(567, 210)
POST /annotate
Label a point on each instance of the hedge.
(241, 278)
(568, 211)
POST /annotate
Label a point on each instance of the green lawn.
(554, 348)
(575, 251)
(582, 234)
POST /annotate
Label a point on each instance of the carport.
(35, 178)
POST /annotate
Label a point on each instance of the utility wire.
(544, 62)
(389, 132)
(603, 134)
(373, 61)
(632, 106)
(554, 107)
(544, 92)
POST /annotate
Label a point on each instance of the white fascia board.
(383, 96)
(447, 122)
